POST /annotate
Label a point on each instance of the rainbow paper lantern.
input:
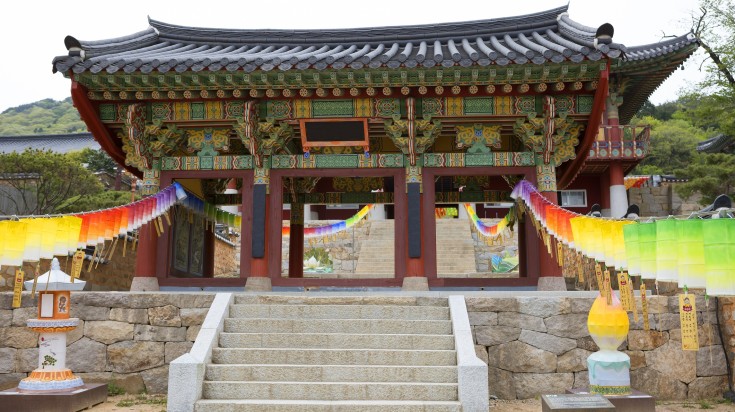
(719, 256)
(667, 250)
(61, 241)
(647, 246)
(632, 249)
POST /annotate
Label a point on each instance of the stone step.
(335, 340)
(331, 390)
(331, 373)
(375, 326)
(255, 405)
(280, 356)
(265, 299)
(339, 312)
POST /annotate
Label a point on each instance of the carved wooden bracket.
(261, 138)
(478, 137)
(552, 136)
(208, 142)
(149, 141)
(411, 145)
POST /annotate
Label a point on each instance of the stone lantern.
(52, 386)
(52, 324)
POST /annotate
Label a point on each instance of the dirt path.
(154, 403)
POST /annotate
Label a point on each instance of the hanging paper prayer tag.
(644, 307)
(688, 318)
(608, 287)
(18, 287)
(632, 300)
(559, 254)
(35, 279)
(598, 277)
(580, 268)
(76, 264)
(623, 287)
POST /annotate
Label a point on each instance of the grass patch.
(142, 399)
(705, 405)
(114, 390)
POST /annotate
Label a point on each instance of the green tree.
(711, 175)
(672, 146)
(37, 182)
(96, 160)
(101, 200)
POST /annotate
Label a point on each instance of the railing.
(633, 143)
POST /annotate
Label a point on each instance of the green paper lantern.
(719, 256)
(647, 247)
(632, 248)
(667, 250)
(691, 254)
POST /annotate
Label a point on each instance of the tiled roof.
(59, 143)
(548, 36)
(717, 144)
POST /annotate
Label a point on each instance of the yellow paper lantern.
(72, 235)
(61, 240)
(15, 242)
(48, 237)
(34, 234)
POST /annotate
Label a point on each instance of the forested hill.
(46, 116)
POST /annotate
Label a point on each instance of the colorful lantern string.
(694, 252)
(333, 228)
(492, 231)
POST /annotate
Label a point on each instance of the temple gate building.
(401, 117)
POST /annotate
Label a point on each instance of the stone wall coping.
(186, 373)
(471, 371)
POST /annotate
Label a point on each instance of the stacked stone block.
(124, 338)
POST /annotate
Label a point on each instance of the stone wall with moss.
(124, 338)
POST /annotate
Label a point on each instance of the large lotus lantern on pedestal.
(609, 369)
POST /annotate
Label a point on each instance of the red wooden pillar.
(145, 261)
(414, 240)
(547, 264)
(296, 242)
(263, 211)
(415, 265)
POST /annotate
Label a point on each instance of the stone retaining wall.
(532, 345)
(124, 338)
(537, 345)
(662, 200)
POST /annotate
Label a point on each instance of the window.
(572, 198)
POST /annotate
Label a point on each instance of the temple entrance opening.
(473, 236)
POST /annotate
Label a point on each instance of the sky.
(34, 31)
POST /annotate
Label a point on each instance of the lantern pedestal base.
(144, 284)
(609, 373)
(73, 400)
(258, 284)
(637, 401)
(549, 283)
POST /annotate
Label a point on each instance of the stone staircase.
(377, 254)
(362, 353)
(455, 250)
